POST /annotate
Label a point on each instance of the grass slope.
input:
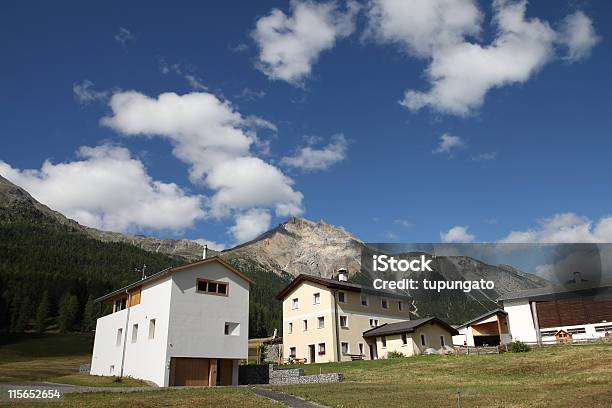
(564, 376)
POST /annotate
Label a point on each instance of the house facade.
(489, 329)
(324, 319)
(537, 315)
(186, 325)
(412, 337)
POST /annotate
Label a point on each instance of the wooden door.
(226, 371)
(189, 371)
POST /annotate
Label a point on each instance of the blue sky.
(317, 111)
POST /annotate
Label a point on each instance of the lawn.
(230, 397)
(563, 376)
(43, 357)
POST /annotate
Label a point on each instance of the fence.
(467, 350)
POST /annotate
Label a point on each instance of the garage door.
(189, 371)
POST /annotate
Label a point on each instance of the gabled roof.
(335, 284)
(408, 326)
(483, 316)
(170, 271)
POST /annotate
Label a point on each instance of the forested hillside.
(50, 272)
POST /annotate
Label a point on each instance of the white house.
(536, 315)
(489, 329)
(186, 325)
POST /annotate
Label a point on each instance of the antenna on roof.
(142, 270)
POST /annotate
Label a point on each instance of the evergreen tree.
(68, 311)
(89, 316)
(42, 313)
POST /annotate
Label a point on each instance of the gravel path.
(288, 400)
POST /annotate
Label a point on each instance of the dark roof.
(170, 271)
(492, 312)
(548, 291)
(408, 326)
(335, 284)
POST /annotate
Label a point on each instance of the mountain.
(44, 255)
(38, 241)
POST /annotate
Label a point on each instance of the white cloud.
(250, 182)
(124, 36)
(564, 228)
(85, 94)
(215, 140)
(309, 158)
(448, 144)
(579, 36)
(457, 233)
(250, 224)
(461, 71)
(290, 44)
(249, 94)
(215, 246)
(106, 188)
(186, 72)
(423, 26)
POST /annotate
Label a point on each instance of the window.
(399, 305)
(292, 352)
(316, 299)
(548, 333)
(290, 328)
(120, 304)
(344, 347)
(364, 299)
(119, 336)
(578, 330)
(361, 349)
(321, 349)
(341, 297)
(112, 370)
(385, 303)
(603, 328)
(442, 341)
(152, 328)
(373, 322)
(321, 322)
(134, 333)
(232, 329)
(305, 324)
(343, 321)
(422, 339)
(404, 339)
(209, 287)
(383, 340)
(295, 303)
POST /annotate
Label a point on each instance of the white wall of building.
(197, 321)
(520, 320)
(144, 357)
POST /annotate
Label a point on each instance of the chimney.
(205, 252)
(342, 275)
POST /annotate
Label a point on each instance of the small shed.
(563, 337)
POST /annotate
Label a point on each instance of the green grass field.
(563, 376)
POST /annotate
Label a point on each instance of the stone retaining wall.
(262, 374)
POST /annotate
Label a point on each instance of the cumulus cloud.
(124, 36)
(290, 44)
(309, 158)
(250, 224)
(461, 71)
(564, 228)
(448, 144)
(579, 36)
(457, 233)
(85, 94)
(215, 140)
(215, 246)
(106, 188)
